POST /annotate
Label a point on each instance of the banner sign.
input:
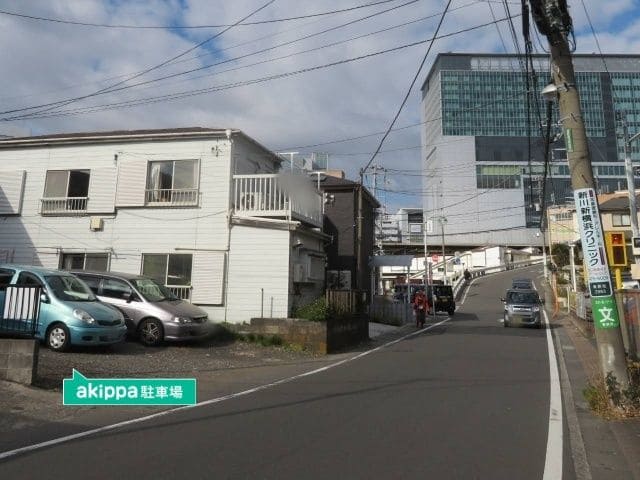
(603, 305)
(80, 390)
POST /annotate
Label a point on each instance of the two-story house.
(204, 211)
(344, 269)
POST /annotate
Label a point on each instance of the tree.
(561, 253)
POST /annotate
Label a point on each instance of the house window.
(172, 270)
(65, 191)
(85, 261)
(172, 182)
(621, 219)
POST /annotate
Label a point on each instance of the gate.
(20, 310)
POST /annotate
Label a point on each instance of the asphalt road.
(467, 399)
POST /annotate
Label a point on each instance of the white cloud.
(50, 61)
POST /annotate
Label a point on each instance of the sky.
(293, 84)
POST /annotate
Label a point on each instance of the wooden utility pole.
(553, 20)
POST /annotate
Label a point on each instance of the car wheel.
(505, 322)
(58, 338)
(151, 332)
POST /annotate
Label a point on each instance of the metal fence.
(20, 310)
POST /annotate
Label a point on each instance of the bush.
(316, 311)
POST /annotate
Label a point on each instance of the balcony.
(277, 196)
(171, 197)
(64, 205)
(183, 292)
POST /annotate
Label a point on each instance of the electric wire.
(189, 27)
(413, 82)
(190, 93)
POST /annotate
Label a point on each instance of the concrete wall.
(320, 337)
(19, 360)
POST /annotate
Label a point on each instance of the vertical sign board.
(603, 304)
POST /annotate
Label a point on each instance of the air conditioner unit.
(97, 224)
(299, 272)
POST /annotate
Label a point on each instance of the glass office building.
(483, 159)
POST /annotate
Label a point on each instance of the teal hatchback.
(70, 314)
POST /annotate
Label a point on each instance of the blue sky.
(50, 61)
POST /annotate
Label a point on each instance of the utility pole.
(553, 20)
(631, 187)
(442, 219)
(359, 233)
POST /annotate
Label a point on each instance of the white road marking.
(553, 460)
(106, 428)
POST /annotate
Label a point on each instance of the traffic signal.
(616, 249)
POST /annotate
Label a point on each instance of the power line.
(413, 82)
(112, 88)
(189, 93)
(155, 67)
(188, 27)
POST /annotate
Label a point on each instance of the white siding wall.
(132, 231)
(11, 190)
(102, 190)
(258, 259)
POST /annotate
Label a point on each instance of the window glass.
(5, 278)
(155, 266)
(92, 282)
(152, 291)
(114, 288)
(70, 289)
(28, 279)
(55, 184)
(72, 261)
(78, 183)
(185, 174)
(98, 262)
(179, 271)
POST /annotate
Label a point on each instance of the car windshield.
(522, 297)
(68, 288)
(442, 290)
(152, 291)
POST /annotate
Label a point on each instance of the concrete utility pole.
(631, 186)
(443, 220)
(553, 20)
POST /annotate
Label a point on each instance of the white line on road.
(553, 460)
(106, 428)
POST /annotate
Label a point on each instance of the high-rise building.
(483, 161)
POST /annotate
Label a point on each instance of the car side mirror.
(44, 298)
(128, 296)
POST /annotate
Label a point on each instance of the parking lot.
(132, 359)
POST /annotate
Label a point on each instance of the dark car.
(522, 307)
(443, 299)
(522, 284)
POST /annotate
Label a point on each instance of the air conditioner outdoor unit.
(299, 272)
(97, 224)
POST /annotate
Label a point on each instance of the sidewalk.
(611, 448)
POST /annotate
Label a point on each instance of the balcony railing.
(64, 205)
(182, 292)
(171, 197)
(276, 195)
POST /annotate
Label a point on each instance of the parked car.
(70, 314)
(151, 311)
(522, 307)
(522, 283)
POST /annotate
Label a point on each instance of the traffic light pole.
(553, 20)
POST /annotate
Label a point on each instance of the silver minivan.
(151, 311)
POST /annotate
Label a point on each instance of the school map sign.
(603, 304)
